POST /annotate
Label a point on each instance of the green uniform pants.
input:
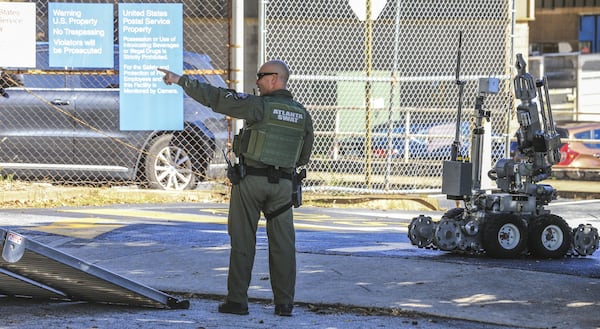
(248, 198)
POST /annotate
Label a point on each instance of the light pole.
(368, 10)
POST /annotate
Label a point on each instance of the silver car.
(64, 126)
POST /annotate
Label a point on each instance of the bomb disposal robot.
(511, 220)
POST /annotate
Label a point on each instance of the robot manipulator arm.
(537, 138)
(540, 150)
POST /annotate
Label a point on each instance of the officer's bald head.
(279, 67)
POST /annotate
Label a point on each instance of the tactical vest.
(276, 140)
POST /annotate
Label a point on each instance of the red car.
(580, 153)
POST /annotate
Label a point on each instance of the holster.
(233, 174)
(236, 172)
(273, 175)
(297, 178)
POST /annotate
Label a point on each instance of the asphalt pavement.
(487, 295)
(490, 295)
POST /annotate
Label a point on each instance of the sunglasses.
(260, 75)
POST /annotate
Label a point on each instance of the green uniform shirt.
(243, 106)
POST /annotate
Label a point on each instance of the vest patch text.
(288, 116)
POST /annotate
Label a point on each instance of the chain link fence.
(379, 78)
(62, 124)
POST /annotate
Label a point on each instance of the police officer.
(277, 138)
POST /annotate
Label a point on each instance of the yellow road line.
(92, 227)
(331, 228)
(152, 215)
(84, 228)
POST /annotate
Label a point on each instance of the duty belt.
(266, 172)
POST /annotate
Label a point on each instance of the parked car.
(350, 147)
(399, 139)
(383, 143)
(65, 127)
(423, 141)
(579, 159)
(516, 155)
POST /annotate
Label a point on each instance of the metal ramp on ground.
(32, 270)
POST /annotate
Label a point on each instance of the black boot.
(284, 309)
(234, 308)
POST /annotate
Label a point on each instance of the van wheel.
(168, 166)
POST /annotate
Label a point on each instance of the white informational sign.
(81, 35)
(17, 34)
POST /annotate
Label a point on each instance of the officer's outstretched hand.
(169, 77)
